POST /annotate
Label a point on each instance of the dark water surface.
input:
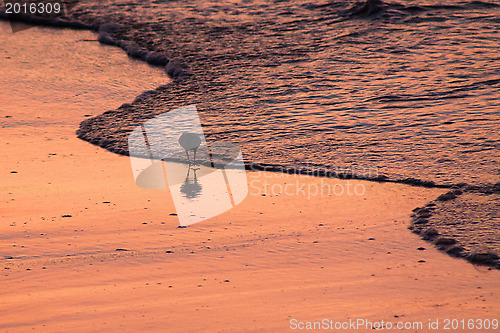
(410, 88)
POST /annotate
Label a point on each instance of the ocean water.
(407, 88)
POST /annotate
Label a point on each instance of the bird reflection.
(191, 187)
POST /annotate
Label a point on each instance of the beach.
(83, 248)
(119, 262)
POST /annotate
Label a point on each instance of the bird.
(190, 141)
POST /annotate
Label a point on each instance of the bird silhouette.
(190, 141)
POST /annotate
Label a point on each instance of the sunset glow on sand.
(369, 132)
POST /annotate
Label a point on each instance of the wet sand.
(84, 249)
(271, 259)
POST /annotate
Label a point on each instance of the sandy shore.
(84, 249)
(271, 259)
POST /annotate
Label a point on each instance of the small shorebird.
(190, 141)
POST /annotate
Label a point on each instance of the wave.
(463, 223)
(55, 22)
(378, 9)
(111, 128)
(369, 8)
(106, 32)
(454, 92)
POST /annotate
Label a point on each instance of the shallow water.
(410, 89)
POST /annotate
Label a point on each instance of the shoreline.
(272, 258)
(96, 130)
(111, 257)
(105, 30)
(441, 222)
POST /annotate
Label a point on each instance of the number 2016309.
(32, 8)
